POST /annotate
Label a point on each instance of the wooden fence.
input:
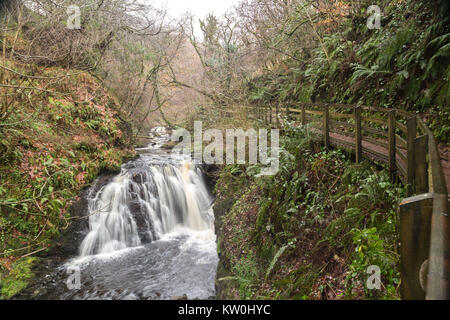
(406, 144)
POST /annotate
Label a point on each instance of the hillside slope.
(59, 129)
(405, 64)
(309, 232)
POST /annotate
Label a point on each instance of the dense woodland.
(74, 102)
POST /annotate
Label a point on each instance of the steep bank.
(403, 64)
(312, 231)
(309, 232)
(63, 129)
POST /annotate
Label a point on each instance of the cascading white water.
(147, 200)
(150, 235)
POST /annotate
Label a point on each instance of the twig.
(334, 184)
(40, 77)
(30, 88)
(23, 248)
(29, 254)
(92, 213)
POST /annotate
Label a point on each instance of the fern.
(394, 46)
(275, 259)
(432, 66)
(365, 73)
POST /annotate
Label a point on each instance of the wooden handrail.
(424, 220)
(438, 282)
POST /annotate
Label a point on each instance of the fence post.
(421, 167)
(415, 228)
(410, 170)
(277, 121)
(358, 135)
(266, 119)
(326, 126)
(269, 108)
(303, 115)
(392, 146)
(438, 280)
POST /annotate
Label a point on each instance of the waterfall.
(150, 234)
(151, 197)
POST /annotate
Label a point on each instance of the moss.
(42, 170)
(17, 278)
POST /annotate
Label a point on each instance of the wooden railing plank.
(375, 131)
(358, 135)
(392, 145)
(402, 127)
(421, 168)
(402, 156)
(411, 126)
(374, 120)
(326, 127)
(319, 113)
(401, 142)
(303, 115)
(341, 115)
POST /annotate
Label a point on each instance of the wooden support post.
(421, 167)
(410, 170)
(265, 115)
(303, 115)
(438, 280)
(358, 135)
(269, 110)
(392, 146)
(277, 121)
(415, 227)
(326, 127)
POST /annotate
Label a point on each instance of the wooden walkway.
(376, 152)
(402, 141)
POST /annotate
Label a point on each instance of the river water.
(150, 234)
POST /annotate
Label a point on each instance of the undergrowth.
(53, 143)
(404, 64)
(312, 230)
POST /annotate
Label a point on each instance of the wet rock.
(141, 219)
(69, 241)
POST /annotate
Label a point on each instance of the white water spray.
(150, 198)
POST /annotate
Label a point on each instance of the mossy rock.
(18, 277)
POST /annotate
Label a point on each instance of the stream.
(150, 235)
